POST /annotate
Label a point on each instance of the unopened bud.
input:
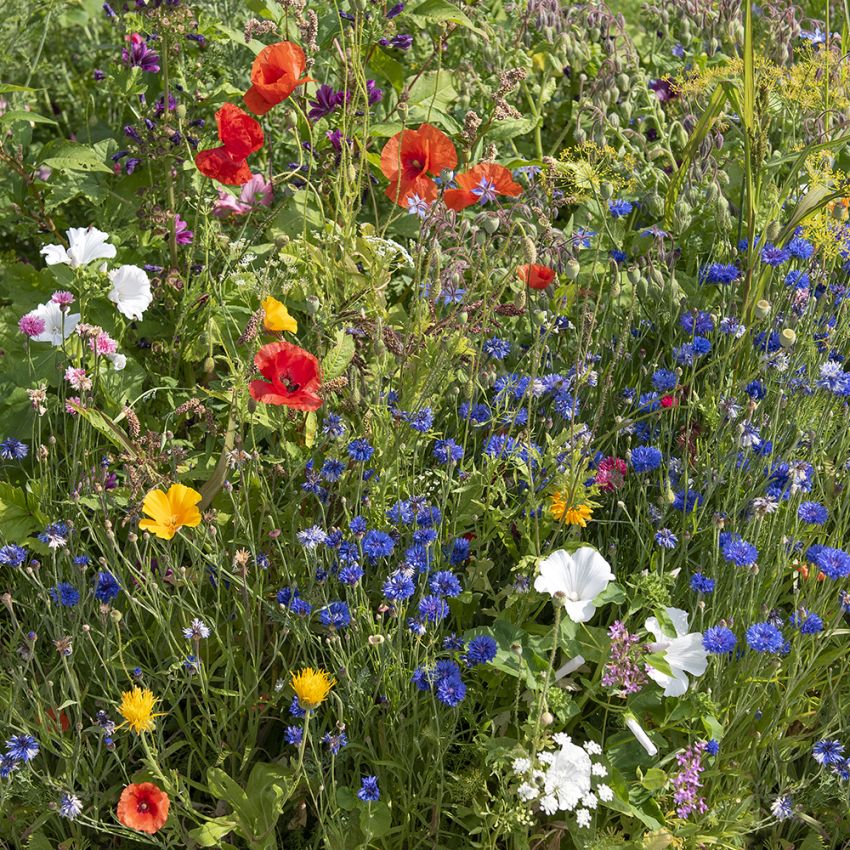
(787, 338)
(762, 309)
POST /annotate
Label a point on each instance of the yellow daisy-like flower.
(312, 687)
(137, 709)
(276, 317)
(570, 514)
(170, 511)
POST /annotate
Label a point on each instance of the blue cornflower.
(497, 348)
(7, 765)
(332, 469)
(697, 322)
(765, 637)
(684, 354)
(55, 535)
(333, 426)
(828, 752)
(807, 622)
(451, 690)
(369, 791)
(65, 594)
(719, 640)
(296, 710)
(300, 607)
(565, 404)
(666, 539)
(459, 552)
(357, 525)
(12, 449)
(70, 806)
(422, 420)
(687, 501)
(418, 558)
(294, 735)
(813, 513)
(618, 207)
(312, 537)
(719, 274)
(755, 390)
(701, 583)
(712, 747)
(739, 552)
(700, 345)
(645, 458)
(833, 563)
(453, 643)
(12, 555)
(336, 615)
(447, 451)
(360, 450)
(433, 608)
(481, 650)
(773, 256)
(797, 279)
(664, 380)
(398, 587)
(618, 256)
(445, 583)
(377, 544)
(800, 248)
(22, 748)
(106, 587)
(350, 575)
(335, 742)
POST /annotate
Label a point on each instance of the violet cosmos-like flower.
(137, 54)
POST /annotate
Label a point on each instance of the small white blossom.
(549, 804)
(521, 765)
(599, 769)
(592, 748)
(589, 800)
(605, 793)
(527, 792)
(583, 818)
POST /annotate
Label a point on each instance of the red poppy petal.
(459, 199)
(441, 151)
(256, 102)
(238, 131)
(219, 164)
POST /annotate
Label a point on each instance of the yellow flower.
(569, 513)
(170, 511)
(137, 709)
(312, 687)
(277, 317)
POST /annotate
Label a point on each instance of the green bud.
(491, 224)
(772, 231)
(180, 112)
(633, 275)
(623, 82)
(572, 269)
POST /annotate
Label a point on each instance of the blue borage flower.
(619, 208)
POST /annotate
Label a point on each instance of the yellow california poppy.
(276, 317)
(170, 511)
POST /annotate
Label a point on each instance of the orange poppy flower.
(293, 377)
(482, 183)
(410, 156)
(275, 74)
(241, 136)
(535, 275)
(143, 807)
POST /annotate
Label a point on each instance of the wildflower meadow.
(424, 426)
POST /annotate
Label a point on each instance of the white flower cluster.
(565, 780)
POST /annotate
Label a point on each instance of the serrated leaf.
(19, 516)
(65, 155)
(336, 361)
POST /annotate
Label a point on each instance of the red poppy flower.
(241, 136)
(275, 74)
(410, 156)
(481, 184)
(294, 376)
(143, 807)
(536, 276)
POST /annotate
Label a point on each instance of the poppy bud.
(312, 305)
(772, 231)
(633, 275)
(572, 269)
(490, 224)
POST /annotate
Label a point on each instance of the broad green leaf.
(388, 68)
(19, 516)
(212, 832)
(8, 88)
(440, 11)
(345, 799)
(654, 779)
(434, 90)
(223, 787)
(376, 819)
(502, 131)
(65, 155)
(22, 115)
(311, 425)
(336, 361)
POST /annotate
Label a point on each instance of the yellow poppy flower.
(170, 511)
(312, 687)
(276, 317)
(137, 709)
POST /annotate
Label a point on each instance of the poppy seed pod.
(572, 269)
(490, 223)
(787, 338)
(762, 309)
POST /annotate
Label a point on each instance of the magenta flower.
(181, 229)
(257, 192)
(138, 55)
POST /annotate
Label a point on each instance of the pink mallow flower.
(257, 192)
(181, 230)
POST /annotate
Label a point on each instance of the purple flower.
(395, 11)
(181, 229)
(625, 669)
(327, 100)
(686, 782)
(138, 55)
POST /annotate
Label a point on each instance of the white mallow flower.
(118, 361)
(58, 323)
(131, 291)
(684, 653)
(643, 739)
(85, 245)
(576, 580)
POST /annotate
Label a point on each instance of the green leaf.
(376, 819)
(22, 115)
(223, 787)
(654, 779)
(434, 90)
(388, 68)
(345, 799)
(8, 88)
(441, 11)
(65, 155)
(19, 516)
(212, 832)
(659, 661)
(502, 131)
(336, 361)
